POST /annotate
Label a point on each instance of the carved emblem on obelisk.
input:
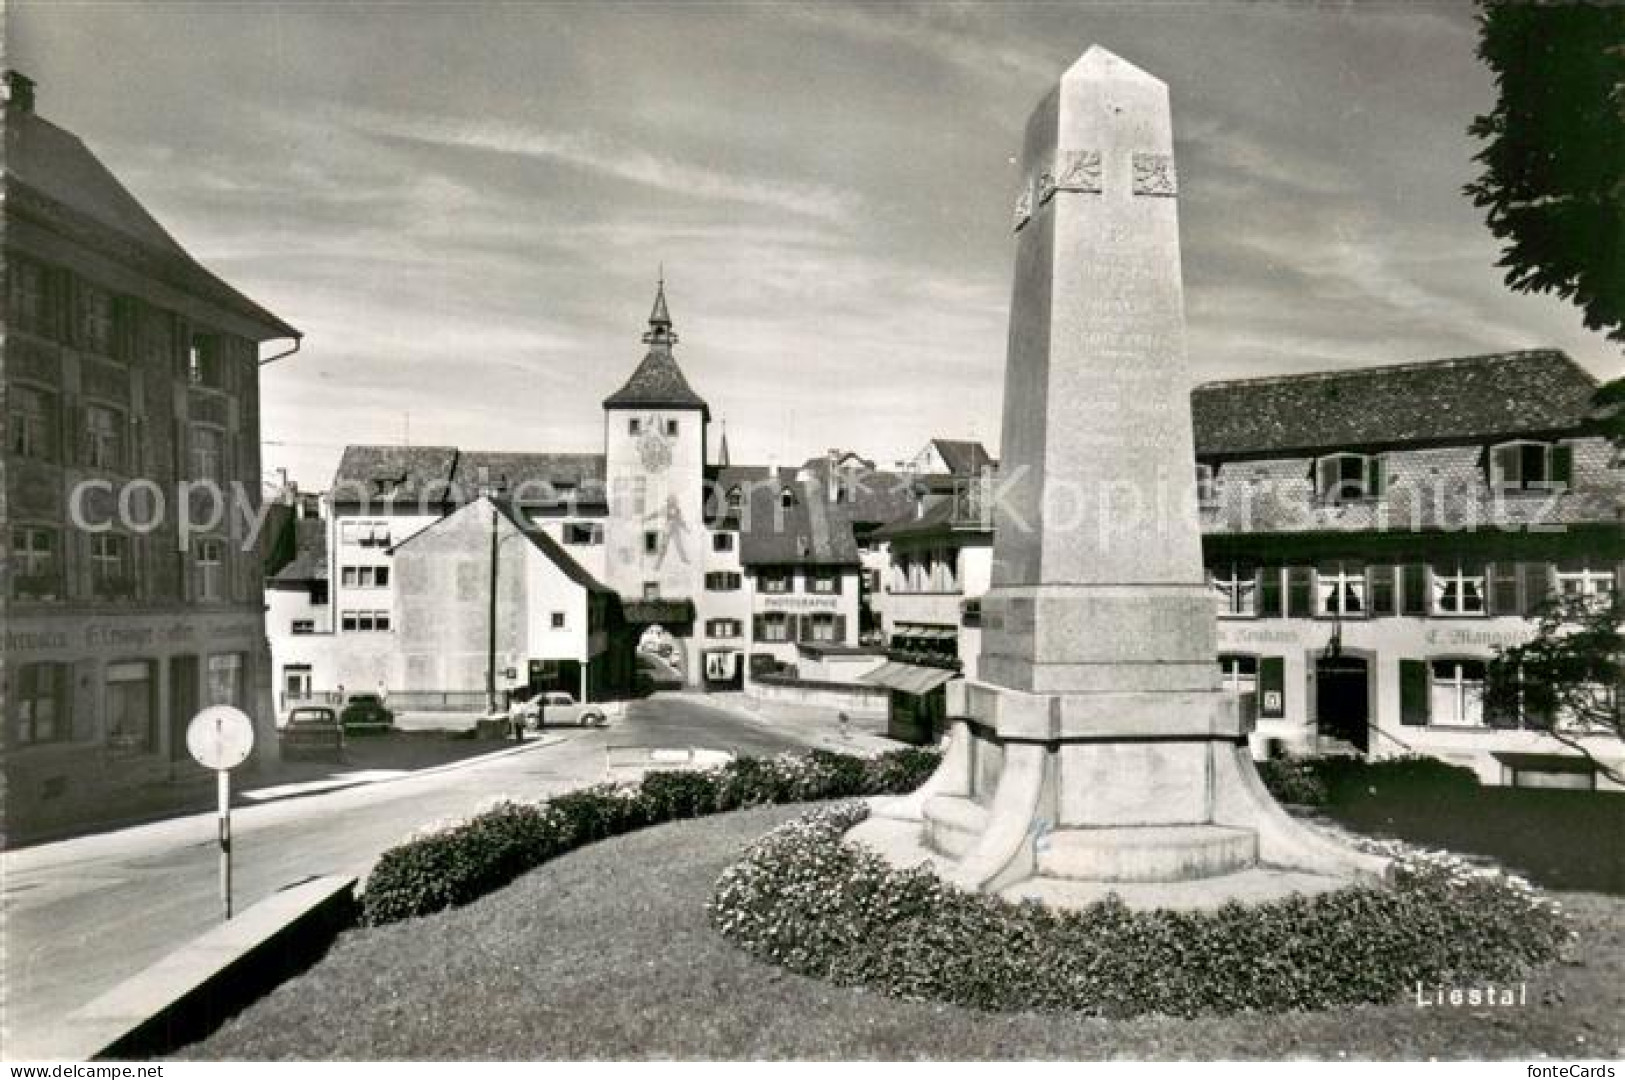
(1024, 205)
(1154, 175)
(1077, 170)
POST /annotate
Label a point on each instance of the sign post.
(220, 738)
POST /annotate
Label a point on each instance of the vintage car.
(557, 707)
(364, 713)
(312, 731)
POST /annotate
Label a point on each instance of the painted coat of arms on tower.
(654, 448)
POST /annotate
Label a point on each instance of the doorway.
(183, 702)
(1343, 700)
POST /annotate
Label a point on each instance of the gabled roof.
(1468, 398)
(657, 383)
(53, 178)
(944, 514)
(310, 554)
(812, 531)
(962, 456)
(537, 536)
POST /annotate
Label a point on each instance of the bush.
(806, 900)
(1338, 781)
(463, 860)
(1293, 780)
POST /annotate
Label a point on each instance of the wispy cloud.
(602, 154)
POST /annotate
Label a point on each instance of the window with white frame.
(1458, 588)
(208, 454)
(1340, 589)
(364, 621)
(31, 419)
(775, 579)
(36, 571)
(1585, 579)
(1238, 673)
(365, 577)
(1235, 590)
(1521, 464)
(775, 626)
(1341, 478)
(304, 626)
(824, 579)
(820, 627)
(208, 568)
(723, 629)
(736, 498)
(723, 581)
(722, 541)
(104, 437)
(1456, 692)
(110, 566)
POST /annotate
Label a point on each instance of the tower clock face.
(654, 449)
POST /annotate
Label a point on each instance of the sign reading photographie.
(800, 603)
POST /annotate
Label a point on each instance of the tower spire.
(660, 331)
(722, 447)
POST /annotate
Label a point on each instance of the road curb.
(190, 992)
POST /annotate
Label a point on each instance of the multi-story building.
(1371, 537)
(665, 529)
(132, 488)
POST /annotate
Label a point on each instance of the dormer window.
(1527, 465)
(1345, 478)
(736, 498)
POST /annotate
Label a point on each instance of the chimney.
(19, 92)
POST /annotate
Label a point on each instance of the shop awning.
(909, 678)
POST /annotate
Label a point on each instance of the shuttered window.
(1299, 591)
(1271, 687)
(1413, 693)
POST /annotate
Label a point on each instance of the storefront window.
(226, 679)
(40, 703)
(130, 708)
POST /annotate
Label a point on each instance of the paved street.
(81, 915)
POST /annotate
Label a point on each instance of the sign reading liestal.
(220, 737)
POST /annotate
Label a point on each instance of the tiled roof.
(963, 457)
(812, 531)
(658, 383)
(53, 176)
(944, 514)
(1465, 399)
(310, 554)
(410, 473)
(530, 477)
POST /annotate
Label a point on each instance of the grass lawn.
(606, 953)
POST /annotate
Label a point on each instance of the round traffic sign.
(220, 737)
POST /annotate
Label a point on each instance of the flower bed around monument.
(804, 899)
(452, 863)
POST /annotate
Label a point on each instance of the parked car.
(366, 712)
(312, 731)
(558, 707)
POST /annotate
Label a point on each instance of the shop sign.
(799, 603)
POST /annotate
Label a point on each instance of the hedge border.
(805, 899)
(451, 863)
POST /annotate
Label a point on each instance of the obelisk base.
(1068, 797)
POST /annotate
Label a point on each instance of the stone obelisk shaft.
(1097, 578)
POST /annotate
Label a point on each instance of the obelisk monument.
(1097, 753)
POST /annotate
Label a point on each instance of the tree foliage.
(1554, 165)
(1567, 680)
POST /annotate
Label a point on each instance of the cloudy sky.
(464, 207)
